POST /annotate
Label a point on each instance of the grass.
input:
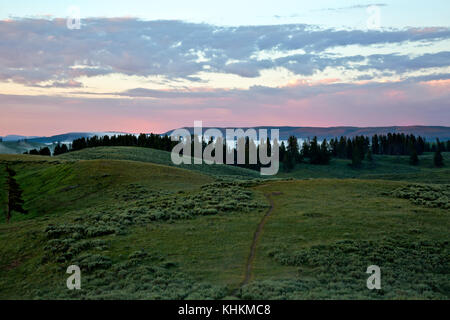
(383, 167)
(155, 156)
(143, 230)
(59, 186)
(96, 213)
(3, 191)
(323, 234)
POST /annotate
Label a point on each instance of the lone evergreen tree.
(14, 195)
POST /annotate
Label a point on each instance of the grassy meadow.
(141, 228)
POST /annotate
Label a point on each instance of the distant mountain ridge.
(63, 138)
(14, 137)
(428, 132)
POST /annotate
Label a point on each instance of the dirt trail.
(256, 236)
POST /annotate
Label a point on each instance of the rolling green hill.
(155, 156)
(140, 228)
(383, 167)
(51, 186)
(89, 209)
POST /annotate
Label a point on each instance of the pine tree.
(325, 154)
(292, 155)
(282, 151)
(15, 202)
(342, 148)
(306, 149)
(64, 149)
(356, 157)
(57, 150)
(375, 145)
(34, 152)
(314, 151)
(349, 147)
(45, 152)
(334, 147)
(293, 148)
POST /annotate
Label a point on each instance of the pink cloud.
(373, 104)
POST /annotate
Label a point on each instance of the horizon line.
(224, 127)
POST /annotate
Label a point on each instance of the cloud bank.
(34, 51)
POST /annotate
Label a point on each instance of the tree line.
(360, 148)
(41, 152)
(312, 151)
(154, 141)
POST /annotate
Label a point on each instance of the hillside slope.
(155, 156)
(55, 186)
(149, 222)
(139, 230)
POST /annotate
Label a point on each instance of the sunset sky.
(151, 66)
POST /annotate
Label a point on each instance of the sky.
(151, 66)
